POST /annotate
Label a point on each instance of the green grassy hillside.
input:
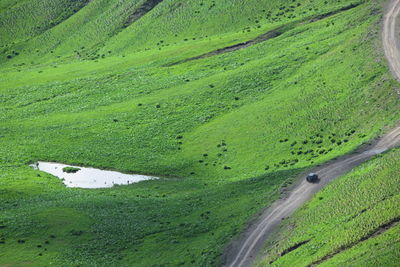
(352, 222)
(24, 20)
(92, 83)
(108, 28)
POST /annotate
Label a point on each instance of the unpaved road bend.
(243, 251)
(389, 37)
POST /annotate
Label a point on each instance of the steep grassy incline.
(300, 103)
(79, 35)
(353, 222)
(22, 20)
(226, 21)
(225, 132)
(105, 28)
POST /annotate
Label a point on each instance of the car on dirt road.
(312, 178)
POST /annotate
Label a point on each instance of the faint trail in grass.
(286, 251)
(266, 36)
(378, 231)
(146, 7)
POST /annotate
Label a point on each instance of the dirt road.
(389, 37)
(243, 251)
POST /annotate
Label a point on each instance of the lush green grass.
(347, 221)
(22, 20)
(101, 28)
(164, 222)
(225, 132)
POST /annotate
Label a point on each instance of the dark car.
(312, 178)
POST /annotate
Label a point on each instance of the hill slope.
(91, 83)
(353, 222)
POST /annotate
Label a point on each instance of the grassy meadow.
(83, 83)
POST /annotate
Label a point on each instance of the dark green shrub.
(71, 169)
(76, 232)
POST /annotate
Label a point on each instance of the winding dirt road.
(390, 41)
(242, 252)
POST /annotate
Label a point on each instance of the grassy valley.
(117, 85)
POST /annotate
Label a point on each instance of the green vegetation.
(89, 88)
(71, 169)
(352, 222)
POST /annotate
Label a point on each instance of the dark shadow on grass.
(146, 7)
